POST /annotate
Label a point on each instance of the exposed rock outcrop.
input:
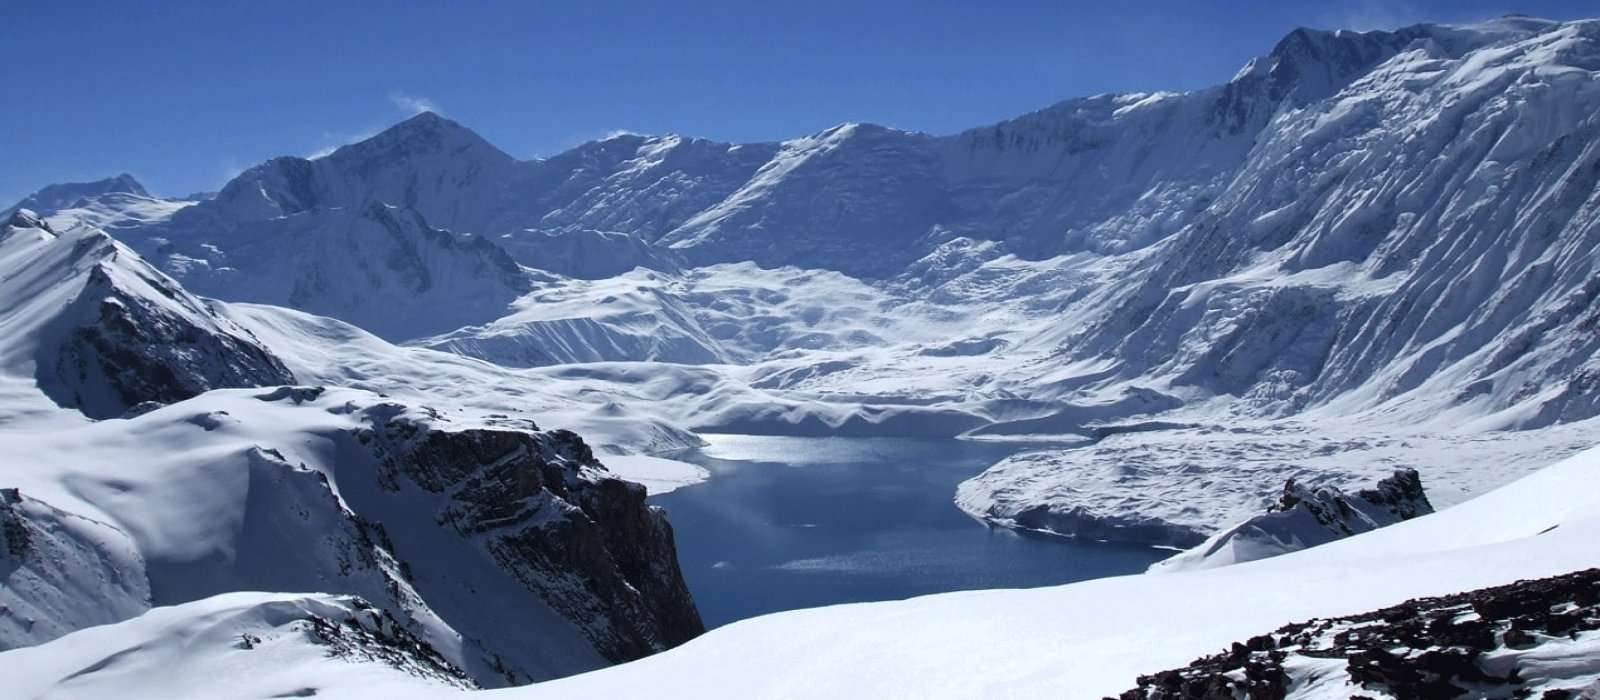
(121, 348)
(551, 517)
(1305, 517)
(1534, 638)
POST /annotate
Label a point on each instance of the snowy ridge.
(287, 645)
(1304, 518)
(531, 560)
(100, 330)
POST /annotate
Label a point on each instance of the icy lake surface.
(788, 522)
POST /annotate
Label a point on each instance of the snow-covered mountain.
(1391, 225)
(379, 266)
(53, 198)
(1263, 231)
(1396, 223)
(100, 330)
(111, 204)
(511, 553)
(1422, 243)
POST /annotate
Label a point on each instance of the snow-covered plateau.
(1366, 256)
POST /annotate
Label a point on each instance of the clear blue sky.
(185, 96)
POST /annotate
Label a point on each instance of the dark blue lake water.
(788, 523)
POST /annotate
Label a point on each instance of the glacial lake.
(788, 522)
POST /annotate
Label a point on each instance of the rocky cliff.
(1306, 517)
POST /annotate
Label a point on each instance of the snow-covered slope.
(379, 266)
(1532, 638)
(1417, 249)
(237, 645)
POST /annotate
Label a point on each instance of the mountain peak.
(425, 133)
(123, 182)
(53, 198)
(24, 218)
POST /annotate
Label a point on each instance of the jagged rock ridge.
(129, 334)
(1306, 517)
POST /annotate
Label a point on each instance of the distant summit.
(53, 198)
(426, 134)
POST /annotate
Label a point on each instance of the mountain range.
(1365, 252)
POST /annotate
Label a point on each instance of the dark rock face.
(1397, 497)
(552, 518)
(1305, 517)
(118, 349)
(1400, 494)
(14, 536)
(1422, 648)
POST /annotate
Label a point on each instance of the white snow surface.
(200, 649)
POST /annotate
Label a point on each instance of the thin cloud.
(230, 170)
(337, 141)
(413, 104)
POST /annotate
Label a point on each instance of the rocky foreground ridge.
(1527, 639)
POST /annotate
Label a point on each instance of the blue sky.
(185, 96)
